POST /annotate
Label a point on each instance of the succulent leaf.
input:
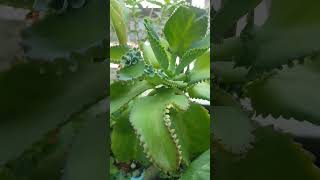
(148, 119)
(116, 53)
(87, 158)
(133, 66)
(149, 56)
(229, 14)
(54, 37)
(274, 95)
(124, 142)
(185, 26)
(117, 20)
(199, 168)
(274, 152)
(37, 97)
(123, 92)
(201, 70)
(157, 46)
(200, 90)
(192, 130)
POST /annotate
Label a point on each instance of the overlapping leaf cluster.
(276, 67)
(52, 117)
(154, 118)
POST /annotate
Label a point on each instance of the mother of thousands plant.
(154, 117)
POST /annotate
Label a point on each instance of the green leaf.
(196, 50)
(118, 21)
(44, 159)
(193, 130)
(148, 119)
(123, 92)
(131, 72)
(274, 156)
(116, 52)
(35, 98)
(188, 57)
(229, 14)
(291, 92)
(201, 70)
(149, 56)
(275, 42)
(227, 73)
(157, 45)
(81, 30)
(199, 168)
(185, 26)
(232, 128)
(124, 143)
(200, 90)
(232, 49)
(88, 155)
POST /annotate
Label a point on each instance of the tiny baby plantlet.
(155, 118)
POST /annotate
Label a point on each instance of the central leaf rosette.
(151, 100)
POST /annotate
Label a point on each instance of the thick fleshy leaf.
(149, 56)
(35, 98)
(264, 50)
(199, 168)
(201, 70)
(157, 45)
(123, 92)
(116, 52)
(156, 80)
(232, 128)
(148, 119)
(81, 30)
(118, 20)
(197, 49)
(193, 131)
(283, 29)
(185, 26)
(188, 57)
(124, 142)
(131, 72)
(274, 156)
(229, 14)
(227, 73)
(43, 160)
(88, 156)
(232, 49)
(291, 92)
(200, 90)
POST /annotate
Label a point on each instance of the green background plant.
(53, 97)
(275, 67)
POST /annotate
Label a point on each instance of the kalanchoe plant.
(154, 116)
(269, 71)
(53, 116)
